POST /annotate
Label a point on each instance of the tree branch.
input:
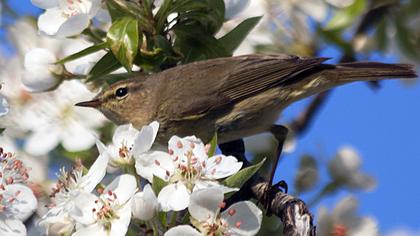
(291, 210)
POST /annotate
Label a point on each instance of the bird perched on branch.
(235, 97)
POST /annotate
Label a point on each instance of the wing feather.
(221, 83)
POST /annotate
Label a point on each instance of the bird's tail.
(326, 76)
(355, 71)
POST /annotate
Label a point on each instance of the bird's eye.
(121, 92)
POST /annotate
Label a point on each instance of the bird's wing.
(220, 83)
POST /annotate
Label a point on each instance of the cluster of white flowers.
(191, 178)
(17, 201)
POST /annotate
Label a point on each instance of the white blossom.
(41, 74)
(64, 18)
(69, 188)
(344, 168)
(128, 141)
(108, 214)
(343, 221)
(183, 230)
(187, 168)
(145, 204)
(38, 164)
(54, 119)
(17, 201)
(242, 218)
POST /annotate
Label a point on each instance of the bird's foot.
(271, 192)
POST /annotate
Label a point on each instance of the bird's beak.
(93, 103)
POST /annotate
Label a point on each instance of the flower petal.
(243, 218)
(361, 181)
(205, 203)
(42, 141)
(145, 204)
(95, 7)
(344, 163)
(50, 21)
(45, 4)
(39, 68)
(77, 137)
(83, 205)
(12, 227)
(145, 139)
(91, 230)
(119, 225)
(37, 79)
(325, 222)
(4, 106)
(73, 25)
(96, 173)
(125, 135)
(155, 163)
(220, 166)
(200, 184)
(180, 146)
(57, 221)
(25, 202)
(182, 230)
(39, 57)
(124, 186)
(345, 210)
(174, 197)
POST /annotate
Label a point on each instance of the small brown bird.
(235, 97)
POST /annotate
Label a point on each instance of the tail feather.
(326, 76)
(373, 71)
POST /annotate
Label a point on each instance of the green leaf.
(213, 145)
(107, 64)
(407, 40)
(2, 130)
(123, 39)
(83, 53)
(234, 38)
(346, 17)
(158, 184)
(162, 14)
(381, 35)
(196, 44)
(120, 8)
(239, 179)
(334, 36)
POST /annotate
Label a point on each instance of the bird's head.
(119, 102)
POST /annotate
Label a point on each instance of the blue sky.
(382, 125)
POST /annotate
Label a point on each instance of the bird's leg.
(280, 133)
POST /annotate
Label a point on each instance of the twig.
(291, 210)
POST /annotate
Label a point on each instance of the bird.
(234, 97)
